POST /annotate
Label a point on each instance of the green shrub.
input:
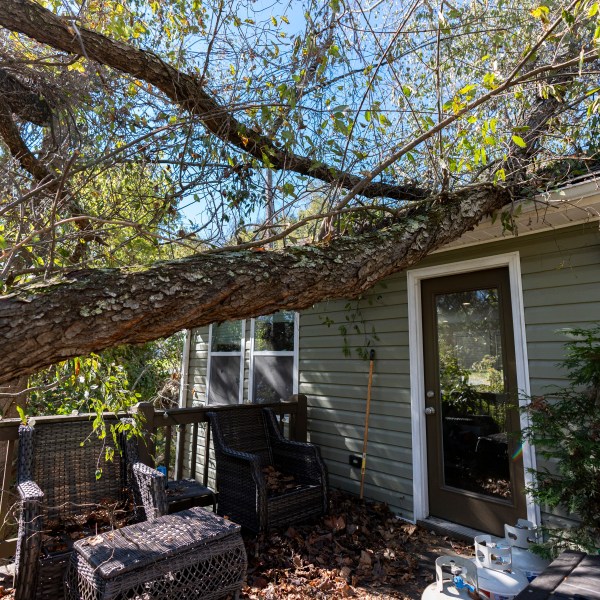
(564, 426)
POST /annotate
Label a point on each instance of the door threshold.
(454, 530)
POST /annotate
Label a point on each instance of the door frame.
(417, 377)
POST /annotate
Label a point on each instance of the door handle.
(430, 410)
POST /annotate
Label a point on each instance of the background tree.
(201, 131)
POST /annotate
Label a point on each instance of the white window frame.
(293, 353)
(241, 354)
(417, 382)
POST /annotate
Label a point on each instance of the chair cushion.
(141, 545)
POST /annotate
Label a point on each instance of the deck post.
(299, 418)
(147, 450)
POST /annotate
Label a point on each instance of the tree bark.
(186, 90)
(24, 102)
(90, 310)
(12, 138)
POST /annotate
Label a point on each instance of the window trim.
(294, 353)
(241, 354)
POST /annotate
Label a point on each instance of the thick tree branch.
(92, 310)
(27, 104)
(36, 22)
(12, 138)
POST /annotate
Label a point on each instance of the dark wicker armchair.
(59, 477)
(246, 441)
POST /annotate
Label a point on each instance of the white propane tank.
(492, 555)
(457, 581)
(500, 585)
(519, 539)
(497, 578)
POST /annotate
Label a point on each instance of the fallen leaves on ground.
(359, 550)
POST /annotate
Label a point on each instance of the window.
(225, 383)
(274, 358)
(272, 361)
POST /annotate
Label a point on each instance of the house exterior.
(459, 340)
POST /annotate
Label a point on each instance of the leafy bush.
(565, 429)
(110, 382)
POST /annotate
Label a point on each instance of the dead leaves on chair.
(59, 534)
(278, 482)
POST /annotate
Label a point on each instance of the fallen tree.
(62, 295)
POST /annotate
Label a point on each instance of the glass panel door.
(473, 393)
(475, 472)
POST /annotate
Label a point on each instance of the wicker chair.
(246, 441)
(57, 479)
(181, 494)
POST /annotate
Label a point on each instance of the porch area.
(358, 549)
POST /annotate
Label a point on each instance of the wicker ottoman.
(190, 554)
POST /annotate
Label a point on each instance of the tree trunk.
(90, 310)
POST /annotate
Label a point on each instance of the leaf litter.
(359, 550)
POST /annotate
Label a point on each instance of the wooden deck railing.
(181, 433)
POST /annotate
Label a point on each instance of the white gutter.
(564, 207)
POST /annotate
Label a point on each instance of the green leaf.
(489, 80)
(22, 414)
(467, 88)
(384, 120)
(499, 174)
(289, 189)
(593, 9)
(540, 11)
(568, 17)
(519, 141)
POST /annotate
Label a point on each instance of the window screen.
(273, 353)
(224, 373)
(224, 380)
(273, 378)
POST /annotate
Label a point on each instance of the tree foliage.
(565, 429)
(139, 131)
(112, 381)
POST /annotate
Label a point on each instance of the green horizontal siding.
(336, 386)
(198, 361)
(561, 288)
